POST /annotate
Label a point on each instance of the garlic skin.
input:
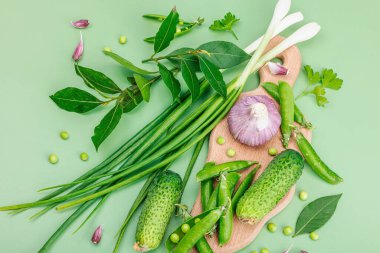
(254, 120)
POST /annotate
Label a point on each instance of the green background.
(36, 45)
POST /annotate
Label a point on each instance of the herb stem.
(168, 56)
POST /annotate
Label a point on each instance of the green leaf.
(225, 24)
(144, 86)
(171, 82)
(97, 80)
(191, 79)
(166, 31)
(224, 54)
(312, 77)
(75, 100)
(177, 56)
(127, 64)
(319, 93)
(213, 76)
(330, 80)
(132, 98)
(107, 125)
(321, 100)
(316, 214)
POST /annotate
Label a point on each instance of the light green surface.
(36, 45)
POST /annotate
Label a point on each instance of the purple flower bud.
(78, 50)
(277, 69)
(81, 24)
(97, 236)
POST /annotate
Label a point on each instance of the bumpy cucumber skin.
(157, 210)
(280, 175)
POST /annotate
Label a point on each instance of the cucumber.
(280, 175)
(157, 210)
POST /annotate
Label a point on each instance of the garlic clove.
(277, 69)
(97, 236)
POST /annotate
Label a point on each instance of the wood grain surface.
(244, 234)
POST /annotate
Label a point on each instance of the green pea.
(107, 49)
(174, 238)
(272, 227)
(231, 152)
(288, 230)
(197, 220)
(123, 39)
(264, 250)
(84, 156)
(272, 151)
(314, 236)
(220, 140)
(185, 228)
(286, 111)
(303, 195)
(180, 22)
(53, 158)
(64, 135)
(178, 30)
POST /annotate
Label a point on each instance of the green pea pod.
(202, 245)
(315, 162)
(244, 185)
(272, 90)
(206, 188)
(216, 170)
(226, 188)
(286, 111)
(197, 231)
(213, 200)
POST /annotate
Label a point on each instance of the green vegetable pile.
(152, 150)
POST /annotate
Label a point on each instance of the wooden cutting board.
(244, 234)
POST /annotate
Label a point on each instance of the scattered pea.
(123, 39)
(53, 158)
(84, 156)
(180, 22)
(174, 238)
(107, 49)
(272, 151)
(178, 30)
(64, 135)
(264, 250)
(288, 230)
(197, 220)
(303, 195)
(272, 227)
(220, 140)
(314, 236)
(185, 228)
(231, 152)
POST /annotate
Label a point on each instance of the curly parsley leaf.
(225, 24)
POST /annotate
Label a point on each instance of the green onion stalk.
(154, 148)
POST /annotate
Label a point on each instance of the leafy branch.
(225, 24)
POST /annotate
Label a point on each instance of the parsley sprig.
(225, 24)
(318, 82)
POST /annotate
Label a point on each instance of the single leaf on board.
(97, 80)
(171, 82)
(75, 100)
(191, 79)
(132, 98)
(213, 76)
(107, 125)
(127, 64)
(180, 54)
(144, 86)
(224, 54)
(316, 214)
(166, 31)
